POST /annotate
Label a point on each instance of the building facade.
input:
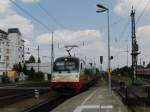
(11, 49)
(3, 49)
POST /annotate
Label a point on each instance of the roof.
(68, 57)
(3, 32)
(61, 58)
(14, 30)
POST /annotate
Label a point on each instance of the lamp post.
(101, 9)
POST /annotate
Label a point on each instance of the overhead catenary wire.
(142, 13)
(29, 14)
(37, 20)
(138, 18)
(49, 15)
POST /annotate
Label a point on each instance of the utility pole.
(38, 58)
(135, 48)
(127, 55)
(52, 55)
(23, 54)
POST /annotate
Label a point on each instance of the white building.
(11, 49)
(3, 49)
(16, 47)
(43, 67)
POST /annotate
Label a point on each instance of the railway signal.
(101, 59)
(101, 62)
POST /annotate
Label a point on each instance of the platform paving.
(96, 99)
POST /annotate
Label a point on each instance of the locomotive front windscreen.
(66, 64)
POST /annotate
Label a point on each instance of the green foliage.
(17, 67)
(121, 78)
(14, 67)
(38, 76)
(31, 59)
(87, 71)
(148, 65)
(127, 71)
(32, 75)
(5, 79)
(24, 68)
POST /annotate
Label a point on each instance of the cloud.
(143, 37)
(69, 36)
(123, 7)
(94, 44)
(92, 39)
(4, 5)
(9, 18)
(17, 21)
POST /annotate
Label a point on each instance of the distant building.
(11, 49)
(43, 67)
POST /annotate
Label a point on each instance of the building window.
(7, 58)
(7, 51)
(7, 44)
(0, 57)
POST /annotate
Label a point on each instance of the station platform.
(96, 99)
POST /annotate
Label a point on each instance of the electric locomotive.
(72, 74)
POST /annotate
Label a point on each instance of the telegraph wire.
(29, 14)
(142, 13)
(50, 15)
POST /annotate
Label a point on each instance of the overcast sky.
(76, 22)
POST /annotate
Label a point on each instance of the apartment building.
(11, 49)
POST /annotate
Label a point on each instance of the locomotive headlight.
(53, 77)
(76, 77)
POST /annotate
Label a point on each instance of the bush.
(5, 79)
(16, 79)
(38, 76)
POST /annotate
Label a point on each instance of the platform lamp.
(100, 9)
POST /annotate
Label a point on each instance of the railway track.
(22, 95)
(48, 105)
(133, 96)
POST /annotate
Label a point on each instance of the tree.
(24, 68)
(14, 67)
(32, 69)
(17, 67)
(32, 59)
(39, 60)
(148, 65)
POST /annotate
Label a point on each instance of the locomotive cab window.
(66, 64)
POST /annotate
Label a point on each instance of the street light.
(101, 9)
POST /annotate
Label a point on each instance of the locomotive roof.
(67, 57)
